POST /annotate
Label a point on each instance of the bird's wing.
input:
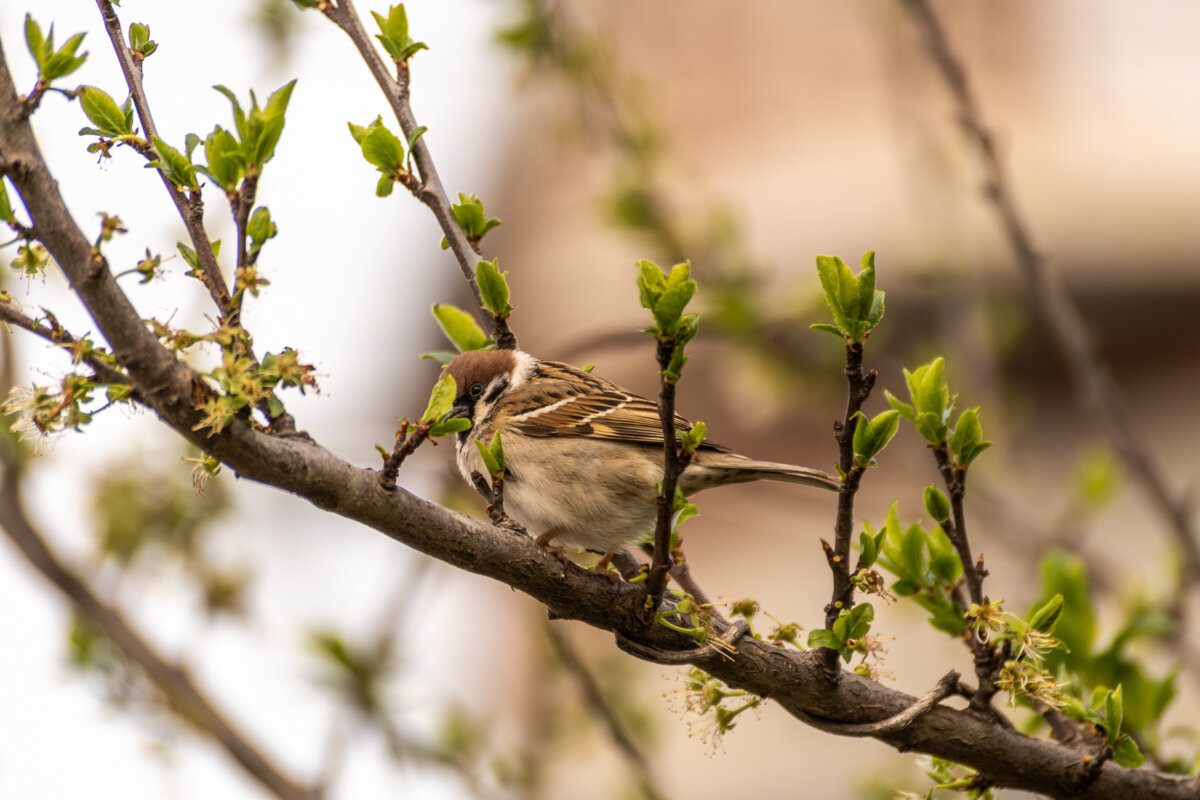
(560, 400)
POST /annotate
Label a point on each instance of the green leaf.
(260, 228)
(677, 292)
(277, 103)
(103, 112)
(240, 123)
(460, 328)
(382, 149)
(412, 138)
(36, 42)
(1046, 618)
(967, 442)
(441, 398)
(1064, 574)
(394, 34)
(443, 357)
(6, 209)
(139, 39)
(271, 118)
(869, 549)
(824, 638)
(905, 409)
(448, 427)
(871, 436)
(946, 567)
(931, 401)
(173, 165)
(193, 259)
(1127, 753)
(384, 186)
(651, 283)
(359, 132)
(859, 621)
(496, 448)
(825, 326)
(489, 460)
(695, 437)
(52, 63)
(226, 164)
(912, 552)
(471, 217)
(493, 287)
(936, 504)
(1114, 715)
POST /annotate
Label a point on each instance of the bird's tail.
(739, 469)
(787, 473)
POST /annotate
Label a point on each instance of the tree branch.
(432, 193)
(797, 681)
(858, 388)
(1094, 383)
(190, 208)
(183, 697)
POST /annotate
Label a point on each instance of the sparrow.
(583, 457)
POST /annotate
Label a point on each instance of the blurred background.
(747, 138)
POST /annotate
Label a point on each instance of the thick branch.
(1094, 383)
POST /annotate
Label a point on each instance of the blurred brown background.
(823, 128)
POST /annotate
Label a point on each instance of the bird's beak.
(460, 409)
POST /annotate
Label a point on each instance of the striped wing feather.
(560, 400)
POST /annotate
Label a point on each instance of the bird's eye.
(475, 390)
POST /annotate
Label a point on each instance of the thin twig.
(893, 724)
(858, 388)
(432, 193)
(190, 208)
(104, 372)
(674, 462)
(564, 651)
(955, 480)
(1094, 383)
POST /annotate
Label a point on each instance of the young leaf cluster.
(393, 34)
(493, 288)
(848, 634)
(1095, 668)
(872, 435)
(139, 41)
(856, 304)
(245, 384)
(52, 62)
(386, 152)
(233, 157)
(472, 218)
(666, 296)
(930, 411)
(926, 567)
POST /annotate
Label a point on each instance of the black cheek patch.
(496, 391)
